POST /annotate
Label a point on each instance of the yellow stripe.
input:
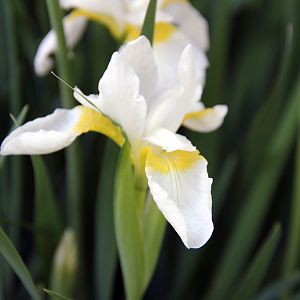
(167, 162)
(103, 19)
(92, 120)
(162, 32)
(166, 3)
(198, 114)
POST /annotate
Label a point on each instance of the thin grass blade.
(258, 267)
(148, 28)
(11, 255)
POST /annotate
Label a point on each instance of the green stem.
(72, 157)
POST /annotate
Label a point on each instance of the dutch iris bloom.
(133, 104)
(177, 25)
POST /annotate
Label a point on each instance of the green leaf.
(291, 258)
(128, 228)
(154, 225)
(251, 217)
(259, 266)
(55, 295)
(105, 241)
(280, 288)
(149, 21)
(47, 221)
(20, 119)
(11, 255)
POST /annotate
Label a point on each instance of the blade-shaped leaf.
(11, 255)
(281, 287)
(154, 225)
(55, 295)
(47, 221)
(149, 22)
(105, 248)
(256, 203)
(259, 266)
(128, 228)
(20, 119)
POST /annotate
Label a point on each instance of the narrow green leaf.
(47, 221)
(148, 28)
(291, 259)
(280, 288)
(105, 247)
(251, 217)
(259, 266)
(55, 295)
(128, 228)
(11, 255)
(154, 225)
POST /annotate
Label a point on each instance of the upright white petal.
(43, 135)
(120, 99)
(168, 53)
(139, 55)
(190, 21)
(73, 28)
(171, 108)
(181, 188)
(206, 119)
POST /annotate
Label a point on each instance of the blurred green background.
(254, 159)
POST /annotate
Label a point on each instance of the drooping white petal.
(169, 141)
(169, 111)
(181, 188)
(120, 98)
(43, 135)
(139, 55)
(73, 28)
(206, 120)
(190, 21)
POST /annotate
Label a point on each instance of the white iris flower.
(178, 24)
(132, 104)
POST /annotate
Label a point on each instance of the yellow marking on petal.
(166, 3)
(162, 32)
(166, 162)
(198, 114)
(103, 19)
(91, 120)
(132, 32)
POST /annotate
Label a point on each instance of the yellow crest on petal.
(166, 162)
(162, 32)
(103, 19)
(198, 114)
(166, 3)
(92, 120)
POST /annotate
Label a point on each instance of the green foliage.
(128, 228)
(253, 160)
(148, 26)
(11, 255)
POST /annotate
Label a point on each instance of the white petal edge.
(170, 141)
(43, 135)
(188, 18)
(210, 120)
(73, 28)
(184, 198)
(91, 101)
